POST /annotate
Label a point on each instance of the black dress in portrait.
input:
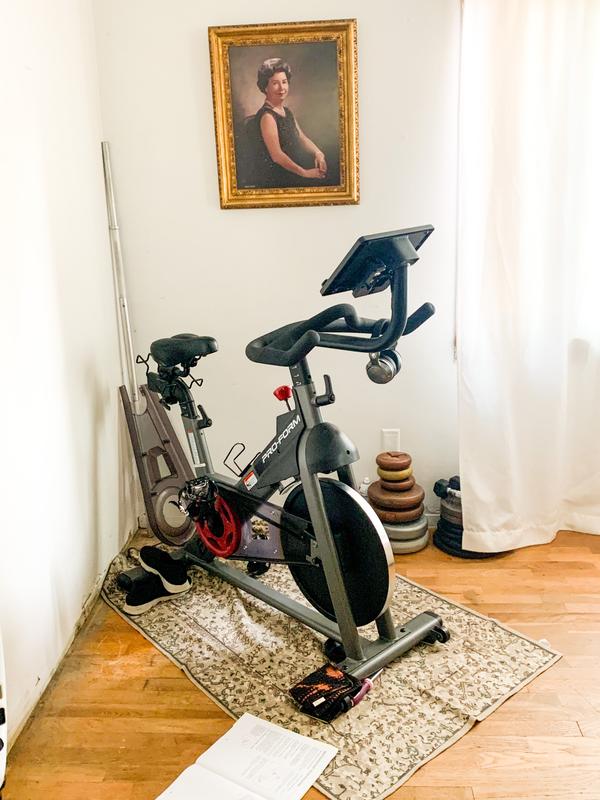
(256, 168)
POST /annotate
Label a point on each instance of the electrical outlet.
(390, 439)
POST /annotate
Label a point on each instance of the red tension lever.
(283, 393)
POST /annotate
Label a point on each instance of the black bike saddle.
(182, 348)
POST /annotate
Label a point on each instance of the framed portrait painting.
(286, 113)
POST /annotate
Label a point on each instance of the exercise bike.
(329, 537)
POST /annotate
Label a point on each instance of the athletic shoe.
(145, 594)
(172, 572)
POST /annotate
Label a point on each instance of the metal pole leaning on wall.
(152, 436)
(128, 368)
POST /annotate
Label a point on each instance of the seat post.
(193, 425)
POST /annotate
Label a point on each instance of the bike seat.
(182, 349)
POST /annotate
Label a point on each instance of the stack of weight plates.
(398, 502)
(449, 532)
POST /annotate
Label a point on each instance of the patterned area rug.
(245, 655)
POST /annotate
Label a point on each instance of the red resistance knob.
(283, 392)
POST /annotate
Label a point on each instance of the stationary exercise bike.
(329, 537)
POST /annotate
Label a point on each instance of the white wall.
(63, 518)
(235, 274)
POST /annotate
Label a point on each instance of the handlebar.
(335, 327)
(288, 345)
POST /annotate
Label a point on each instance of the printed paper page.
(268, 760)
(196, 782)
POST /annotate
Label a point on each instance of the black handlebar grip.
(302, 348)
(267, 354)
(418, 317)
(291, 343)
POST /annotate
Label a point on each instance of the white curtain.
(528, 296)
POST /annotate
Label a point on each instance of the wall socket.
(390, 439)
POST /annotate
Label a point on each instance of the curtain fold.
(528, 321)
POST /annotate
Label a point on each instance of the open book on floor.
(254, 760)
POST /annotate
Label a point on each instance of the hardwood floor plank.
(590, 727)
(527, 725)
(509, 760)
(528, 790)
(433, 793)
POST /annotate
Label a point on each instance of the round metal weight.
(410, 546)
(443, 544)
(395, 500)
(408, 530)
(451, 512)
(394, 474)
(399, 486)
(450, 528)
(399, 517)
(450, 539)
(393, 459)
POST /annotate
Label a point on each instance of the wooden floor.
(120, 721)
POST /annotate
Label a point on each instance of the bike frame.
(311, 446)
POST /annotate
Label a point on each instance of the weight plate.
(442, 544)
(450, 513)
(399, 486)
(452, 504)
(397, 517)
(394, 474)
(407, 530)
(393, 459)
(411, 546)
(395, 500)
(450, 528)
(452, 520)
(363, 548)
(451, 539)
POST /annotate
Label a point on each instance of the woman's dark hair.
(268, 68)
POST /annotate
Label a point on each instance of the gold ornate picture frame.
(286, 113)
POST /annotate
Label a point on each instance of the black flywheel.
(365, 554)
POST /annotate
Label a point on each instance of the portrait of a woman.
(286, 115)
(285, 99)
(284, 155)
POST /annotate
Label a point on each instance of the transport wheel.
(438, 634)
(363, 548)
